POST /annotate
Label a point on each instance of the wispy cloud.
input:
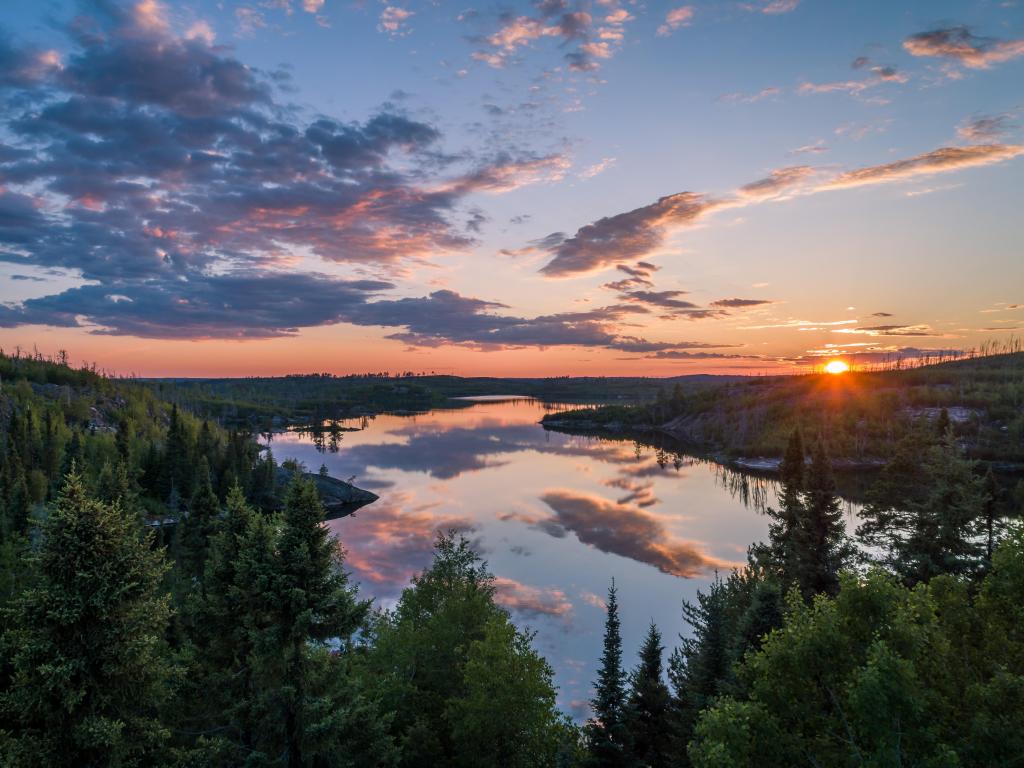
(961, 45)
(590, 41)
(941, 160)
(986, 128)
(394, 20)
(676, 18)
(771, 7)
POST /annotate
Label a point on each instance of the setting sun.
(836, 366)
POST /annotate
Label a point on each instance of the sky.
(564, 187)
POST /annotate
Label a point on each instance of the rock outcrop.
(340, 499)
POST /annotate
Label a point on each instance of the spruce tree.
(821, 546)
(648, 709)
(273, 595)
(939, 526)
(607, 735)
(196, 527)
(780, 554)
(85, 641)
(701, 665)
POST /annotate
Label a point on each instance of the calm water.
(556, 517)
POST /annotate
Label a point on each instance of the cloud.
(740, 303)
(771, 7)
(879, 76)
(961, 45)
(631, 235)
(872, 354)
(673, 354)
(626, 531)
(940, 160)
(750, 98)
(643, 231)
(663, 299)
(597, 168)
(778, 181)
(676, 18)
(160, 170)
(531, 602)
(640, 233)
(891, 330)
(985, 128)
(387, 546)
(572, 27)
(394, 21)
(233, 305)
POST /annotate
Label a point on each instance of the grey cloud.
(631, 235)
(740, 303)
(960, 44)
(985, 128)
(162, 169)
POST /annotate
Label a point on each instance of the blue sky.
(557, 187)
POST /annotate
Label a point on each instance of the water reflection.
(556, 516)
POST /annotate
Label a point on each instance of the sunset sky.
(562, 187)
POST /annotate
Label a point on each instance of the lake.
(556, 517)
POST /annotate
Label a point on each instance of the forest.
(235, 636)
(303, 399)
(864, 413)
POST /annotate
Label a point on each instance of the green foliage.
(506, 717)
(648, 709)
(85, 643)
(274, 626)
(939, 528)
(444, 661)
(864, 413)
(883, 675)
(608, 735)
(821, 549)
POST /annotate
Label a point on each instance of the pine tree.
(648, 709)
(176, 468)
(939, 526)
(85, 642)
(607, 735)
(821, 547)
(780, 554)
(196, 527)
(273, 595)
(701, 665)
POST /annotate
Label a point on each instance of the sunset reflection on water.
(556, 516)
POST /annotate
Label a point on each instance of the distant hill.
(862, 415)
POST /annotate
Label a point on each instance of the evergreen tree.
(314, 602)
(938, 529)
(701, 665)
(196, 527)
(648, 708)
(821, 547)
(176, 467)
(273, 630)
(85, 642)
(780, 554)
(608, 741)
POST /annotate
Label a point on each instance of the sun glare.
(836, 366)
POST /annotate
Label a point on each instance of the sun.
(836, 366)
